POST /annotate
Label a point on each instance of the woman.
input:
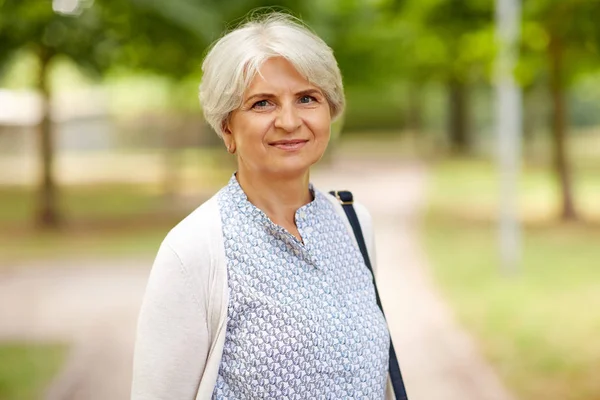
(261, 292)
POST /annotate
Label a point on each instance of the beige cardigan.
(182, 321)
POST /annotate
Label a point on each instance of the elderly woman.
(262, 292)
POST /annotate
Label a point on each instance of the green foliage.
(585, 101)
(25, 369)
(535, 327)
(377, 43)
(464, 28)
(35, 26)
(165, 37)
(373, 107)
(437, 40)
(572, 23)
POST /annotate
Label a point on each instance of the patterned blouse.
(302, 318)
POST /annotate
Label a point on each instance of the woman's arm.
(172, 342)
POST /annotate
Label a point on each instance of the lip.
(289, 145)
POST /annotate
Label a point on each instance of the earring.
(230, 149)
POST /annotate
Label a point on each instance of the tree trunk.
(561, 163)
(47, 213)
(529, 126)
(414, 116)
(458, 123)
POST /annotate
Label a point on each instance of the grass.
(540, 326)
(477, 181)
(105, 219)
(87, 201)
(84, 243)
(26, 369)
(100, 220)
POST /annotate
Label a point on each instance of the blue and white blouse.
(303, 322)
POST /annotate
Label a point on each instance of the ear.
(225, 128)
(227, 135)
(228, 138)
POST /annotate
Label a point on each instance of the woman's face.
(282, 126)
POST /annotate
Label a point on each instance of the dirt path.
(86, 304)
(95, 307)
(438, 359)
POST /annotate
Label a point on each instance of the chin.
(293, 168)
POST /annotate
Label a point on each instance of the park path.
(95, 307)
(439, 360)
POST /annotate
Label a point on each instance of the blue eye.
(261, 104)
(307, 99)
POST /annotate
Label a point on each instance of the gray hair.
(234, 60)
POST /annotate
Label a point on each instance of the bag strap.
(346, 200)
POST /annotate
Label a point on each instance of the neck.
(278, 197)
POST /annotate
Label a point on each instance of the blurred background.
(103, 149)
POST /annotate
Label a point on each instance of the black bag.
(346, 200)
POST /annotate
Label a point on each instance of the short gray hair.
(234, 60)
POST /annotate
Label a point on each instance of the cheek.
(320, 124)
(253, 131)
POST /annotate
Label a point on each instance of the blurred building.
(82, 121)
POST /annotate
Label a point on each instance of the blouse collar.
(303, 214)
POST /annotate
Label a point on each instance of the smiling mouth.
(289, 145)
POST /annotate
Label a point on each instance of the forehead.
(278, 75)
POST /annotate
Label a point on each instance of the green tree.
(561, 44)
(444, 41)
(36, 27)
(164, 37)
(464, 28)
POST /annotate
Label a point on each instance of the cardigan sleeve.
(172, 341)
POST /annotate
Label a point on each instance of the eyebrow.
(271, 95)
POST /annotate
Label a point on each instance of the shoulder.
(366, 224)
(197, 241)
(195, 229)
(364, 216)
(362, 212)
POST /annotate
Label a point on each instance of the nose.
(288, 119)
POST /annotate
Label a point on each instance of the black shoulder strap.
(347, 201)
